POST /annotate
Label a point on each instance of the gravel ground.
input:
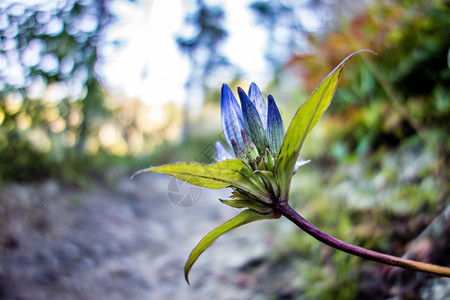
(130, 240)
(125, 242)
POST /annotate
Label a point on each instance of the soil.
(129, 239)
(120, 241)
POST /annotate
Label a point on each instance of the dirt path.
(126, 242)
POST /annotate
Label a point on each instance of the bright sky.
(148, 30)
(148, 64)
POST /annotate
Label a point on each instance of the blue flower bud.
(238, 150)
(250, 148)
(275, 128)
(232, 120)
(252, 122)
(258, 101)
(221, 153)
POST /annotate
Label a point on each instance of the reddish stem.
(287, 211)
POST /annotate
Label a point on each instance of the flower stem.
(287, 211)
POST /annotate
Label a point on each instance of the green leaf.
(304, 121)
(269, 179)
(232, 172)
(245, 217)
(248, 204)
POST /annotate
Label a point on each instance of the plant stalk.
(287, 211)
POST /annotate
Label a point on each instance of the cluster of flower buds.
(254, 132)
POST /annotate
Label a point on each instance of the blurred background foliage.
(51, 97)
(380, 156)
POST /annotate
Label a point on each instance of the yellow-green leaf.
(245, 217)
(304, 121)
(232, 172)
(256, 206)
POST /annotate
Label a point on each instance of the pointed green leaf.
(304, 121)
(243, 218)
(256, 206)
(270, 163)
(269, 179)
(232, 172)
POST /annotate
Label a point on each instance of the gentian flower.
(261, 161)
(251, 128)
(253, 125)
(261, 158)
